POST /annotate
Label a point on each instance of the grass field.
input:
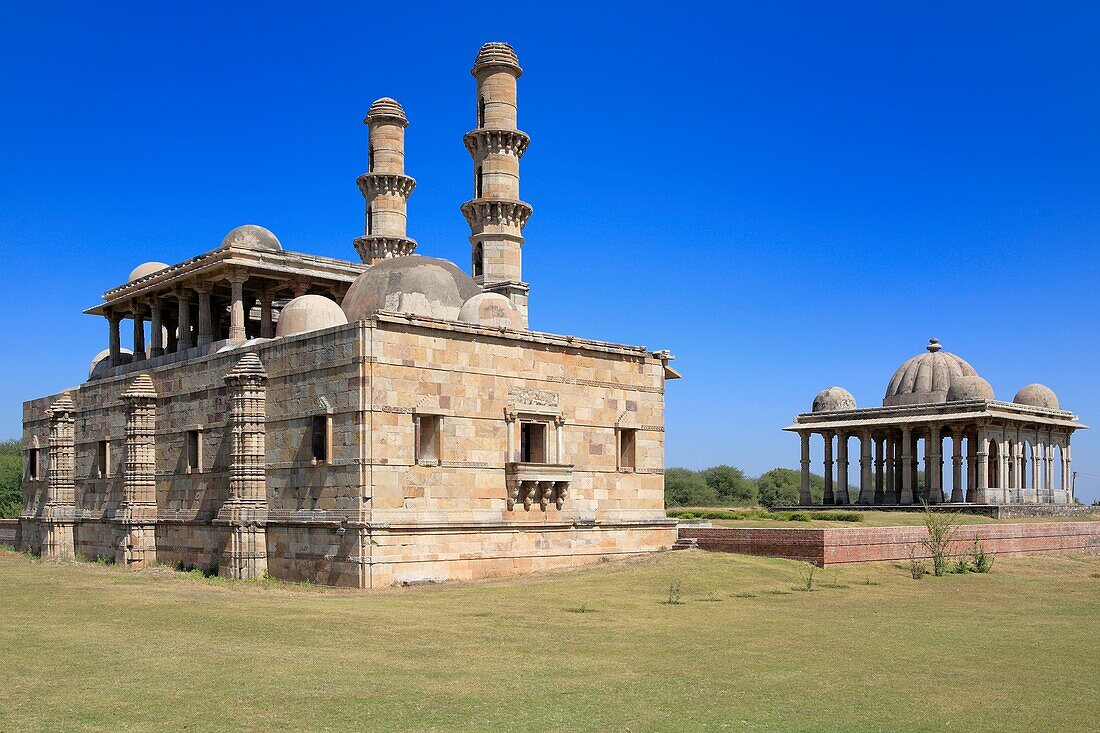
(86, 647)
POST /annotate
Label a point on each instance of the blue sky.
(786, 195)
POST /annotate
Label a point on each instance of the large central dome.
(422, 286)
(926, 377)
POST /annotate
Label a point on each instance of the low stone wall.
(1008, 511)
(843, 546)
(9, 532)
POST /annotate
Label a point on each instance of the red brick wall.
(841, 546)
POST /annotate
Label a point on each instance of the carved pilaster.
(137, 514)
(59, 512)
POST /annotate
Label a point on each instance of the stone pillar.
(1017, 466)
(828, 497)
(1036, 463)
(933, 468)
(805, 498)
(267, 328)
(982, 476)
(1067, 471)
(866, 485)
(1050, 448)
(183, 320)
(59, 512)
(880, 470)
(971, 466)
(907, 481)
(206, 326)
(957, 492)
(1004, 478)
(245, 511)
(114, 342)
(237, 332)
(890, 495)
(841, 490)
(139, 334)
(136, 517)
(156, 333)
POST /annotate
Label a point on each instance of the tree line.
(729, 486)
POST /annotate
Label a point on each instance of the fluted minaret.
(385, 186)
(496, 215)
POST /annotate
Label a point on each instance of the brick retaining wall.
(9, 532)
(842, 546)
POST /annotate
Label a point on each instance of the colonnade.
(1003, 464)
(192, 314)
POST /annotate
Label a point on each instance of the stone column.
(933, 468)
(156, 335)
(206, 327)
(1050, 464)
(245, 511)
(866, 485)
(828, 497)
(840, 492)
(115, 339)
(971, 466)
(267, 329)
(1003, 480)
(183, 320)
(1067, 471)
(907, 481)
(237, 332)
(957, 493)
(805, 498)
(880, 470)
(139, 334)
(981, 479)
(891, 491)
(1017, 466)
(1036, 463)
(136, 517)
(59, 512)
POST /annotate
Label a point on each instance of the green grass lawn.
(86, 647)
(873, 518)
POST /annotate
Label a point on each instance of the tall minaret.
(385, 186)
(496, 215)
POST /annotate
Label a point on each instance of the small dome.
(926, 377)
(309, 313)
(491, 309)
(1037, 395)
(969, 388)
(101, 362)
(145, 269)
(834, 398)
(386, 108)
(496, 53)
(252, 236)
(422, 286)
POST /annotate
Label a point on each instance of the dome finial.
(934, 345)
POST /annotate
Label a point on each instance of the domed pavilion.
(999, 452)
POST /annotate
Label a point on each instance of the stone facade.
(416, 432)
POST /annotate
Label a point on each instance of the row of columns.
(889, 466)
(182, 334)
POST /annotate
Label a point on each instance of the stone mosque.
(362, 424)
(1014, 452)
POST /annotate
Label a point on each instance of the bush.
(982, 561)
(684, 487)
(782, 487)
(941, 528)
(731, 485)
(11, 479)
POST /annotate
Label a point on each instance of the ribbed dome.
(926, 378)
(386, 108)
(834, 398)
(422, 286)
(496, 53)
(1037, 395)
(145, 269)
(252, 236)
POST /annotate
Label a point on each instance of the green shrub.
(731, 485)
(799, 516)
(11, 479)
(982, 561)
(684, 487)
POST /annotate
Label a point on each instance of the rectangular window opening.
(103, 459)
(532, 442)
(428, 439)
(192, 450)
(627, 448)
(33, 463)
(319, 439)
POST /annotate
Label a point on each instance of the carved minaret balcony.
(137, 514)
(385, 187)
(496, 214)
